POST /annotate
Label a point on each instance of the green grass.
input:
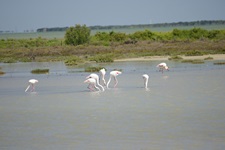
(73, 60)
(102, 58)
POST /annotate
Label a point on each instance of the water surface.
(183, 108)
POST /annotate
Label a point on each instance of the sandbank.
(163, 58)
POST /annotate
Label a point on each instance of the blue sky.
(20, 15)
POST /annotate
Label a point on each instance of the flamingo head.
(102, 71)
(118, 72)
(86, 81)
(166, 67)
(145, 76)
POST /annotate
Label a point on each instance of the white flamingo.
(145, 77)
(31, 84)
(96, 77)
(113, 74)
(102, 73)
(162, 66)
(92, 84)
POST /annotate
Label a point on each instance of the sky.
(21, 15)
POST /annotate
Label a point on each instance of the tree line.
(110, 27)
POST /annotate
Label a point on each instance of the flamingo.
(113, 74)
(162, 66)
(145, 77)
(31, 84)
(103, 72)
(92, 84)
(96, 77)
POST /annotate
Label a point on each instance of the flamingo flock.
(113, 74)
(93, 79)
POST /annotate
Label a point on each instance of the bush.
(77, 35)
(143, 35)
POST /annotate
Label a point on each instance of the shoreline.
(163, 58)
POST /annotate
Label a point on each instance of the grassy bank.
(106, 47)
(101, 53)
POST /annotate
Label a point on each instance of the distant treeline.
(192, 23)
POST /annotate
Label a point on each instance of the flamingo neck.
(109, 81)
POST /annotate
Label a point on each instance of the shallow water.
(183, 108)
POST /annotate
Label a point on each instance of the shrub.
(77, 35)
(143, 35)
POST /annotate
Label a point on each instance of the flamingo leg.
(32, 88)
(97, 88)
(90, 87)
(116, 82)
(27, 88)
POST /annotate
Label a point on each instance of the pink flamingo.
(96, 77)
(92, 84)
(103, 72)
(162, 66)
(31, 84)
(145, 77)
(113, 74)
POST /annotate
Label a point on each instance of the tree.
(77, 35)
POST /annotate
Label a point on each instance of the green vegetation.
(219, 63)
(208, 58)
(77, 35)
(175, 58)
(93, 69)
(2, 73)
(103, 58)
(79, 46)
(40, 71)
(74, 60)
(193, 61)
